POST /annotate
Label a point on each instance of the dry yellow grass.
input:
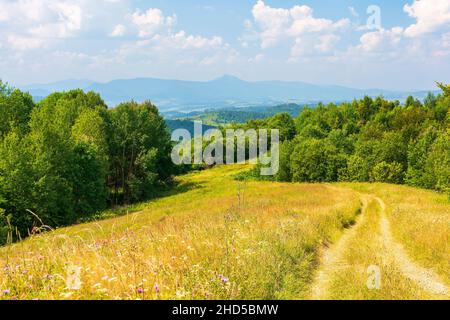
(215, 238)
(351, 273)
(403, 232)
(420, 221)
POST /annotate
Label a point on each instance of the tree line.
(367, 140)
(69, 156)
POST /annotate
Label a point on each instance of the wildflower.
(157, 289)
(6, 291)
(223, 279)
(140, 290)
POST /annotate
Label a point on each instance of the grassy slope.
(200, 243)
(420, 221)
(217, 238)
(418, 224)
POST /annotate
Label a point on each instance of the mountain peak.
(228, 77)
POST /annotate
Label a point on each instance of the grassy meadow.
(217, 238)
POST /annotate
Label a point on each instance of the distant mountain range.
(226, 91)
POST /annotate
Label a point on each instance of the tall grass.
(365, 251)
(420, 221)
(220, 239)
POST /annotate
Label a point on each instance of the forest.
(367, 140)
(69, 156)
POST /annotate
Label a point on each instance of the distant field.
(216, 238)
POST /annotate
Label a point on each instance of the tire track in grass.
(427, 279)
(332, 258)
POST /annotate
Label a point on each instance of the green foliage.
(63, 159)
(369, 140)
(15, 110)
(315, 160)
(437, 165)
(387, 172)
(240, 115)
(284, 172)
(139, 151)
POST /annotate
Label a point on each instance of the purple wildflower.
(140, 290)
(6, 291)
(156, 288)
(223, 278)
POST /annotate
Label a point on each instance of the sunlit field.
(218, 238)
(215, 238)
(420, 220)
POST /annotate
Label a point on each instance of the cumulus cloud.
(422, 39)
(118, 31)
(42, 18)
(152, 21)
(24, 43)
(297, 24)
(443, 47)
(430, 15)
(381, 39)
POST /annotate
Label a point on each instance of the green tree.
(387, 172)
(284, 172)
(138, 129)
(316, 160)
(437, 165)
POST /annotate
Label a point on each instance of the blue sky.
(322, 41)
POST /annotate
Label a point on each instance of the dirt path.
(424, 278)
(332, 258)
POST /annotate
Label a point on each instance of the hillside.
(226, 91)
(237, 115)
(186, 124)
(214, 237)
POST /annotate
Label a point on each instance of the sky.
(387, 44)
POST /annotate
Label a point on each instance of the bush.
(387, 172)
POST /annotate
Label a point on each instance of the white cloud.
(250, 36)
(4, 14)
(177, 49)
(431, 15)
(272, 21)
(24, 43)
(297, 24)
(33, 24)
(118, 31)
(152, 21)
(443, 47)
(327, 42)
(353, 12)
(381, 39)
(304, 22)
(184, 41)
